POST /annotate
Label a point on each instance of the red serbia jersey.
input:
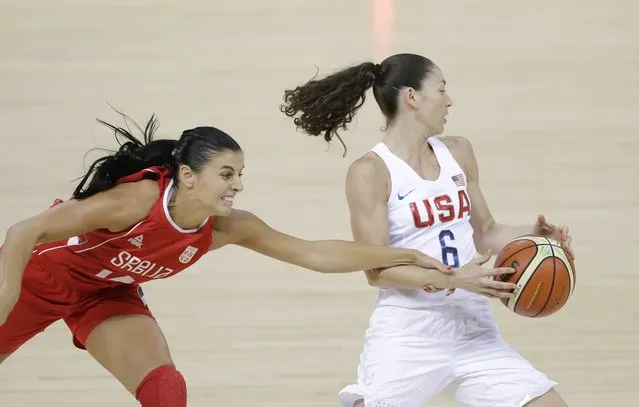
(152, 249)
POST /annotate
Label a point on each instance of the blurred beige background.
(547, 90)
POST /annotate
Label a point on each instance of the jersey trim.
(168, 192)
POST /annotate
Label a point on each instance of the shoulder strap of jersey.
(383, 152)
(400, 172)
(446, 160)
(395, 164)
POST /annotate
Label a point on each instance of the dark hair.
(194, 148)
(323, 106)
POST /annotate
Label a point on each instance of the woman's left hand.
(559, 233)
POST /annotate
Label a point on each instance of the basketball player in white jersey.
(421, 191)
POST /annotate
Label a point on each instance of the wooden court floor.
(547, 90)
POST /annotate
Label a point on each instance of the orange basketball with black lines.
(544, 275)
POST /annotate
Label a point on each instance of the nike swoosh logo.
(400, 196)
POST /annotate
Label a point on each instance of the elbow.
(18, 229)
(374, 277)
(481, 243)
(483, 237)
(24, 231)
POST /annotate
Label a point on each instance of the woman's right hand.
(480, 280)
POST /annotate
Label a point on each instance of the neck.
(185, 210)
(407, 140)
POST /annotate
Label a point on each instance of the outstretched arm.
(384, 266)
(325, 256)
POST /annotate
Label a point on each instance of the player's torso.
(154, 248)
(432, 216)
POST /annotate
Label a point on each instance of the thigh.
(129, 347)
(125, 299)
(119, 331)
(399, 367)
(489, 373)
(400, 378)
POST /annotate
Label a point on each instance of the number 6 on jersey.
(449, 253)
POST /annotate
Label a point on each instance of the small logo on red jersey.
(188, 254)
(137, 241)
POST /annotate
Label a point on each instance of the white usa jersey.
(430, 216)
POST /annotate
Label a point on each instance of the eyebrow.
(228, 167)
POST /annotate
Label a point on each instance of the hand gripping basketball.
(559, 233)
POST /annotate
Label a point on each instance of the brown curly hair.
(323, 106)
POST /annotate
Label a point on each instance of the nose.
(449, 101)
(238, 186)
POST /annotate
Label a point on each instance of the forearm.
(17, 248)
(407, 277)
(339, 256)
(497, 236)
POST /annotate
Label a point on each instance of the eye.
(226, 175)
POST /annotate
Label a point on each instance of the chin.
(223, 210)
(215, 209)
(435, 130)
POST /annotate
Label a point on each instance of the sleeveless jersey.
(430, 216)
(152, 249)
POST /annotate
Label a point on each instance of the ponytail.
(133, 156)
(322, 107)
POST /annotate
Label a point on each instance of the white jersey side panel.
(430, 216)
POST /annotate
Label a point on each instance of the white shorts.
(411, 355)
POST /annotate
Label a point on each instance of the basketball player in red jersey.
(146, 213)
(417, 190)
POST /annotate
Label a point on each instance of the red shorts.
(48, 296)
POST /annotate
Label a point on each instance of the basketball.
(544, 275)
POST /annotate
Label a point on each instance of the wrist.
(437, 278)
(452, 281)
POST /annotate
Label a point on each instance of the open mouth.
(228, 200)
